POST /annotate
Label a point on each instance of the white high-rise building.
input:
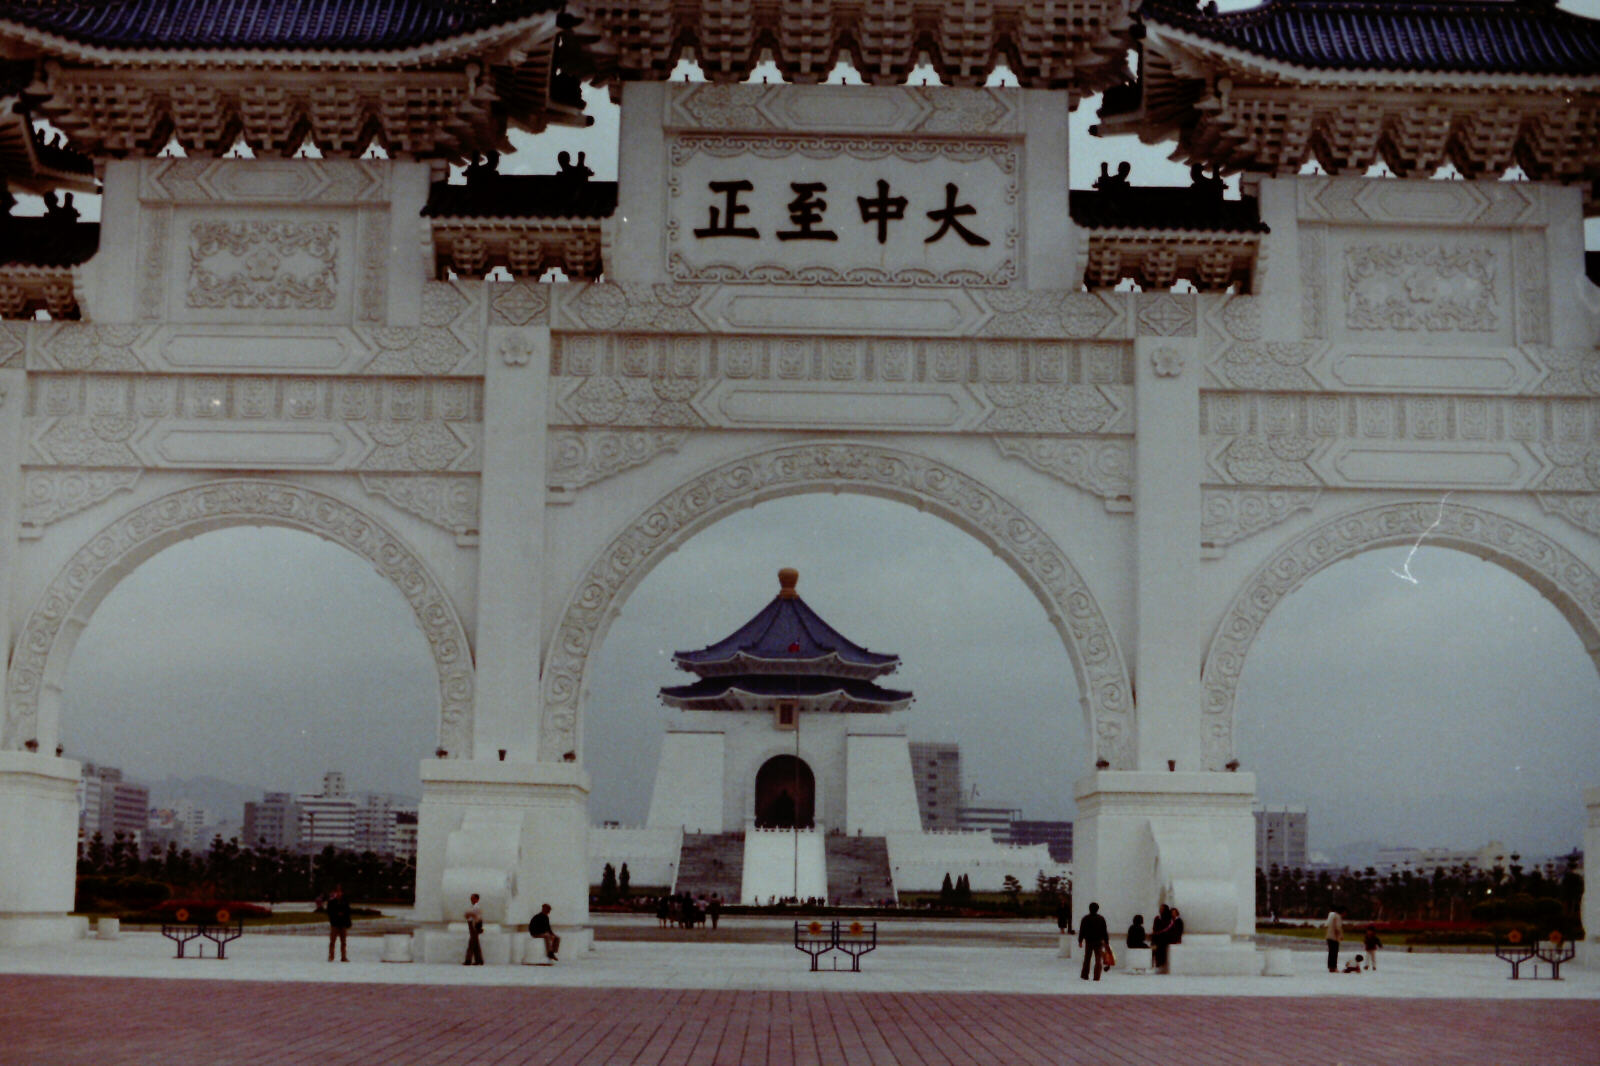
(328, 817)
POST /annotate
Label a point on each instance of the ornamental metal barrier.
(218, 926)
(854, 939)
(1516, 950)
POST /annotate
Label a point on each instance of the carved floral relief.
(263, 264)
(1431, 287)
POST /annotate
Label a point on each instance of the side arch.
(45, 641)
(1560, 576)
(1105, 693)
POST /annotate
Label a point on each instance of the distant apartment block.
(997, 821)
(1281, 834)
(1057, 836)
(369, 822)
(936, 773)
(272, 823)
(109, 805)
(1426, 860)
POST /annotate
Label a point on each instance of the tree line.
(1463, 893)
(115, 875)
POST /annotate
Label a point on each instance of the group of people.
(1333, 930)
(1095, 939)
(688, 911)
(538, 928)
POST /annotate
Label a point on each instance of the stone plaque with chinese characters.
(832, 185)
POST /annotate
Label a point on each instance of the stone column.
(1166, 514)
(497, 814)
(511, 545)
(38, 848)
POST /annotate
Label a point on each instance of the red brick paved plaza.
(63, 1021)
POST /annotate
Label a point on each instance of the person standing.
(1160, 934)
(1372, 944)
(539, 929)
(1092, 938)
(715, 910)
(338, 924)
(474, 915)
(1334, 932)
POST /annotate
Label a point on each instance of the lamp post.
(311, 851)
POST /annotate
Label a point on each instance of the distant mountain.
(222, 800)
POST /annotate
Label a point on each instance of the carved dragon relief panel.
(89, 575)
(1564, 577)
(787, 470)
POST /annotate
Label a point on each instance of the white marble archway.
(1105, 692)
(48, 635)
(1559, 575)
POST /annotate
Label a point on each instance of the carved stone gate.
(881, 289)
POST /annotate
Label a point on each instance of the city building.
(378, 824)
(1057, 836)
(1281, 834)
(1426, 860)
(274, 822)
(405, 835)
(936, 774)
(996, 821)
(328, 818)
(109, 805)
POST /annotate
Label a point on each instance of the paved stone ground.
(65, 1021)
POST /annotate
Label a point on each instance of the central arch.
(786, 794)
(1560, 576)
(931, 486)
(45, 641)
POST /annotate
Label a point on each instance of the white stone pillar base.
(545, 807)
(38, 849)
(1121, 814)
(1213, 956)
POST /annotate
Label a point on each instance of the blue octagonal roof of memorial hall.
(319, 25)
(738, 691)
(787, 637)
(1445, 36)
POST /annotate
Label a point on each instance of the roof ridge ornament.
(788, 577)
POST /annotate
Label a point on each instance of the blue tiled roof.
(787, 630)
(711, 690)
(523, 196)
(1164, 208)
(1444, 36)
(338, 25)
(46, 242)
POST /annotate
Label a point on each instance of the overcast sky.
(1451, 711)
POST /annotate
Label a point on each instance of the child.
(1372, 944)
(1353, 966)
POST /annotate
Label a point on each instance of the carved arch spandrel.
(1105, 692)
(45, 640)
(1560, 576)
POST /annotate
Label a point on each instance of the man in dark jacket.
(539, 928)
(1092, 938)
(338, 923)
